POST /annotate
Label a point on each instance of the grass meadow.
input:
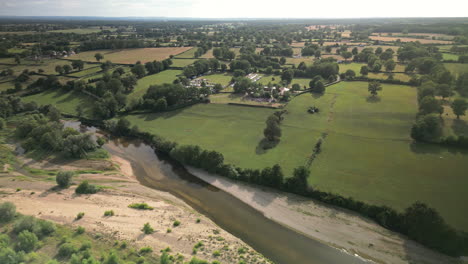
(167, 76)
(367, 154)
(65, 101)
(457, 68)
(221, 78)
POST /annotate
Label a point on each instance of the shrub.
(7, 211)
(2, 123)
(147, 229)
(169, 230)
(80, 230)
(8, 256)
(86, 188)
(176, 223)
(79, 215)
(28, 223)
(66, 250)
(109, 213)
(140, 206)
(216, 253)
(4, 240)
(86, 245)
(27, 241)
(198, 261)
(46, 227)
(145, 250)
(112, 259)
(64, 178)
(198, 220)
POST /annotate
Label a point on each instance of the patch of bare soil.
(42, 199)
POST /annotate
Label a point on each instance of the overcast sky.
(236, 8)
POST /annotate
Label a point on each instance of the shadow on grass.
(264, 145)
(373, 99)
(317, 95)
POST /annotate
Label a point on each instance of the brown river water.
(276, 242)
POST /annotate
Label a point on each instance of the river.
(276, 242)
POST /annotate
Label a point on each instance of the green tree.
(147, 229)
(78, 64)
(7, 211)
(287, 76)
(427, 128)
(444, 90)
(17, 59)
(98, 56)
(59, 69)
(390, 65)
(139, 70)
(64, 178)
(9, 256)
(346, 55)
(364, 70)
(27, 241)
(430, 104)
(459, 107)
(67, 68)
(374, 88)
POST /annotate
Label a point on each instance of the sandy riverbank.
(37, 196)
(334, 226)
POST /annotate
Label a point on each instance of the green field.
(449, 56)
(396, 76)
(182, 62)
(457, 68)
(65, 101)
(223, 79)
(85, 72)
(189, 54)
(356, 67)
(77, 30)
(389, 168)
(302, 82)
(167, 76)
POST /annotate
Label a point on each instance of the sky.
(236, 8)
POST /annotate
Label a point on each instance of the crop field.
(456, 68)
(16, 50)
(223, 79)
(131, 56)
(406, 39)
(190, 53)
(356, 67)
(390, 167)
(167, 76)
(65, 101)
(297, 61)
(208, 54)
(182, 62)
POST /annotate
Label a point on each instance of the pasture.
(450, 56)
(407, 39)
(167, 76)
(303, 82)
(182, 62)
(65, 101)
(131, 56)
(456, 68)
(188, 54)
(221, 78)
(390, 167)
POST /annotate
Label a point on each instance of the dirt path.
(334, 226)
(39, 198)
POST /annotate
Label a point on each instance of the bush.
(86, 188)
(147, 229)
(7, 211)
(140, 206)
(66, 250)
(80, 230)
(109, 213)
(8, 256)
(46, 227)
(79, 215)
(2, 123)
(27, 241)
(64, 178)
(28, 223)
(176, 223)
(145, 250)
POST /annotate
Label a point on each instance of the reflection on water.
(276, 242)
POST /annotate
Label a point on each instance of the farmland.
(167, 76)
(456, 68)
(223, 79)
(355, 127)
(63, 100)
(131, 56)
(182, 62)
(187, 54)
